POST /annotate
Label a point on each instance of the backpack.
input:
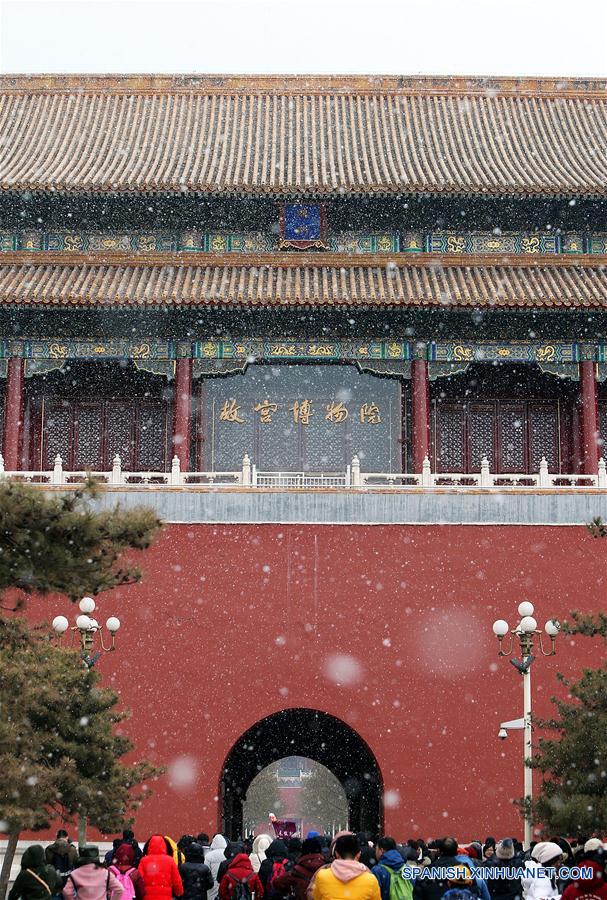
(62, 866)
(241, 891)
(61, 863)
(77, 886)
(279, 867)
(400, 888)
(126, 881)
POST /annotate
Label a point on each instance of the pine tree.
(63, 543)
(59, 754)
(573, 796)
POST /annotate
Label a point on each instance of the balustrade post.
(13, 414)
(485, 474)
(589, 424)
(602, 477)
(426, 473)
(176, 476)
(246, 471)
(182, 412)
(355, 470)
(58, 470)
(117, 470)
(544, 479)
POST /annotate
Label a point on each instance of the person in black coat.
(502, 888)
(433, 885)
(196, 877)
(276, 853)
(231, 851)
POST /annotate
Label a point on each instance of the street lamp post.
(526, 632)
(90, 639)
(89, 630)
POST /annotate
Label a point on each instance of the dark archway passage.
(311, 733)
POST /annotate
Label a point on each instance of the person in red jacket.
(594, 887)
(240, 869)
(159, 871)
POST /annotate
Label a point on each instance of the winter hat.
(546, 851)
(505, 849)
(313, 834)
(593, 844)
(88, 854)
(311, 845)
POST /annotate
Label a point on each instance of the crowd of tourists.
(343, 867)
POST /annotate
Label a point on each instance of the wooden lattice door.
(514, 435)
(89, 434)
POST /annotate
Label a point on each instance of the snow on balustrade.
(248, 477)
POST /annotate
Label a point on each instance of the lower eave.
(303, 279)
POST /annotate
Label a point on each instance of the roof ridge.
(146, 83)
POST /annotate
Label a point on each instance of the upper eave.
(303, 136)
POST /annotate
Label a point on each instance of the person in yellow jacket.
(175, 851)
(346, 878)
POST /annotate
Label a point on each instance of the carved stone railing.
(352, 479)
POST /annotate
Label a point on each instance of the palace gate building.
(348, 337)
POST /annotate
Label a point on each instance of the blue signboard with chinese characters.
(303, 225)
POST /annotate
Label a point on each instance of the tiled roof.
(307, 135)
(281, 280)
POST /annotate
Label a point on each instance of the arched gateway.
(318, 736)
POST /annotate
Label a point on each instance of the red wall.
(232, 623)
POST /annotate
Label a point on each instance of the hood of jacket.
(157, 846)
(241, 861)
(194, 852)
(33, 858)
(347, 869)
(261, 844)
(310, 862)
(219, 843)
(277, 850)
(124, 855)
(597, 878)
(392, 859)
(60, 847)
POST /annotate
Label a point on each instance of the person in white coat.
(213, 859)
(260, 845)
(537, 884)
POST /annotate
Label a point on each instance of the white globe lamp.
(87, 605)
(112, 624)
(60, 624)
(500, 628)
(552, 628)
(83, 623)
(528, 624)
(525, 608)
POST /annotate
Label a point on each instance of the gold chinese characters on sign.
(266, 410)
(302, 410)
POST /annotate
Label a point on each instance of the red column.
(589, 420)
(13, 415)
(182, 412)
(420, 390)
